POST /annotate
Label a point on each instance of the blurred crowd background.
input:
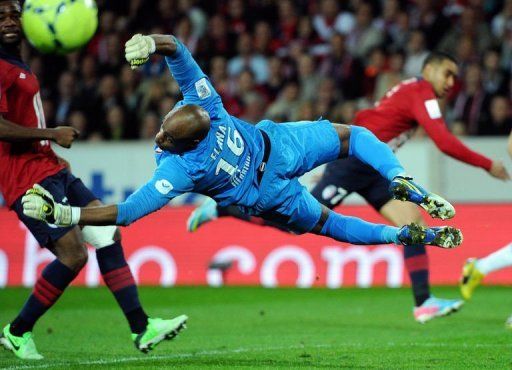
(284, 60)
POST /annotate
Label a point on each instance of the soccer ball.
(59, 26)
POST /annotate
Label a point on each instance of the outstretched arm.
(136, 206)
(38, 203)
(428, 115)
(193, 83)
(9, 131)
(169, 181)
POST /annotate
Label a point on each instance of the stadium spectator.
(500, 119)
(66, 100)
(185, 32)
(237, 17)
(129, 84)
(286, 103)
(471, 101)
(391, 76)
(398, 33)
(364, 36)
(246, 58)
(115, 125)
(217, 40)
(426, 16)
(416, 52)
(309, 80)
(502, 23)
(494, 78)
(469, 25)
(263, 39)
(275, 79)
(150, 126)
(287, 24)
(343, 67)
(330, 20)
(78, 120)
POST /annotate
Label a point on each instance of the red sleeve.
(430, 118)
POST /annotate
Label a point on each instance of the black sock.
(416, 262)
(120, 281)
(49, 287)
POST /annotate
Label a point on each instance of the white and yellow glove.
(138, 49)
(38, 203)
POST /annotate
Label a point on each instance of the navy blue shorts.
(350, 175)
(66, 189)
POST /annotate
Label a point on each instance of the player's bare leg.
(147, 332)
(426, 307)
(71, 257)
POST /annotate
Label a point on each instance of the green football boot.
(157, 331)
(23, 347)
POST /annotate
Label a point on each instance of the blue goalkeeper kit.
(253, 167)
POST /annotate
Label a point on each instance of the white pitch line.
(245, 350)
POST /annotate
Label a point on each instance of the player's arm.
(193, 82)
(63, 135)
(38, 203)
(167, 183)
(428, 114)
(141, 203)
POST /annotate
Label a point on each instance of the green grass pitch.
(272, 328)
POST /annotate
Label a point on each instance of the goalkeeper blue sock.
(356, 231)
(120, 281)
(365, 146)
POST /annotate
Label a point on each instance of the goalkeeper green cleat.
(157, 331)
(23, 347)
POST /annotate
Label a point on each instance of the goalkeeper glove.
(38, 203)
(138, 49)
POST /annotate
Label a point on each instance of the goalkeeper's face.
(183, 128)
(10, 23)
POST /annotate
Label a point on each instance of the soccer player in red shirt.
(26, 157)
(410, 104)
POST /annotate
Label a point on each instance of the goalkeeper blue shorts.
(296, 148)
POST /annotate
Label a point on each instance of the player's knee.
(75, 256)
(413, 215)
(101, 236)
(81, 257)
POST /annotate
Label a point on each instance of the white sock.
(496, 260)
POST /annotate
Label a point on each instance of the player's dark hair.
(438, 57)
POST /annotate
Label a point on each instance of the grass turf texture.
(272, 328)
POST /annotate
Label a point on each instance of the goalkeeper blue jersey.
(223, 165)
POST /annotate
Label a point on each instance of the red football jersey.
(26, 163)
(407, 105)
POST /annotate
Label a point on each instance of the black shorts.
(350, 175)
(66, 189)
